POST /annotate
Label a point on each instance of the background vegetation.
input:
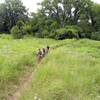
(58, 19)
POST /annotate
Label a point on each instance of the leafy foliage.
(75, 16)
(27, 29)
(16, 33)
(95, 36)
(68, 32)
(11, 11)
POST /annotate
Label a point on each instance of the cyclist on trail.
(39, 55)
(47, 49)
(43, 52)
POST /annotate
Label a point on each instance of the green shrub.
(45, 33)
(72, 33)
(20, 23)
(27, 29)
(68, 32)
(52, 35)
(82, 35)
(86, 35)
(16, 33)
(54, 26)
(39, 35)
(74, 27)
(95, 36)
(42, 34)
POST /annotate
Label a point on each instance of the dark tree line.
(10, 12)
(56, 19)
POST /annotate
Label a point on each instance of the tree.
(3, 24)
(65, 11)
(12, 11)
(94, 14)
(17, 30)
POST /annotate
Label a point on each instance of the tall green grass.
(70, 72)
(17, 59)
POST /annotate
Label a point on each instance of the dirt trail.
(21, 87)
(27, 80)
(25, 83)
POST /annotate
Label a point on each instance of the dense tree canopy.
(65, 11)
(53, 17)
(11, 11)
(95, 16)
(55, 14)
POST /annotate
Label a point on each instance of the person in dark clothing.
(43, 52)
(47, 49)
(39, 55)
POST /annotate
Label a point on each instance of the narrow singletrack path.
(25, 83)
(21, 87)
(28, 79)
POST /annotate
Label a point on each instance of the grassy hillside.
(17, 59)
(70, 72)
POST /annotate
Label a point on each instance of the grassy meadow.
(17, 59)
(71, 71)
